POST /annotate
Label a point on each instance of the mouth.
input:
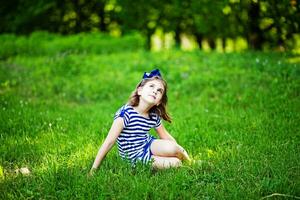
(154, 97)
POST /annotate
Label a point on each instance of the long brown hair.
(161, 109)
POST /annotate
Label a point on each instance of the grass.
(237, 112)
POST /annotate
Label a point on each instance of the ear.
(139, 89)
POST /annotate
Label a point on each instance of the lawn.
(236, 112)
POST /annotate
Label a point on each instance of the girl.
(132, 122)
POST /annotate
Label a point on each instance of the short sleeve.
(123, 113)
(158, 121)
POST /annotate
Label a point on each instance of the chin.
(149, 100)
(151, 103)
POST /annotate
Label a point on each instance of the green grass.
(237, 112)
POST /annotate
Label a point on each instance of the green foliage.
(264, 24)
(238, 113)
(43, 43)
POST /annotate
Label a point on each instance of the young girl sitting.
(131, 125)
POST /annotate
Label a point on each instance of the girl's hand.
(91, 172)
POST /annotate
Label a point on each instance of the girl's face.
(152, 92)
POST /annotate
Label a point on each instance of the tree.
(23, 17)
(143, 17)
(280, 20)
(208, 20)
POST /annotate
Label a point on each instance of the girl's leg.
(165, 162)
(167, 148)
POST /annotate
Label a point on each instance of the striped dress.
(134, 141)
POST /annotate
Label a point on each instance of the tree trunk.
(101, 14)
(148, 41)
(199, 39)
(223, 44)
(177, 37)
(212, 43)
(255, 35)
(149, 33)
(77, 9)
(61, 11)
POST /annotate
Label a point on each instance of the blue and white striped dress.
(134, 141)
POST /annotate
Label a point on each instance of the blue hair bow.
(152, 74)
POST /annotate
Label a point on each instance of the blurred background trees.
(261, 24)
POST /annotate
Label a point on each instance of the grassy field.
(238, 113)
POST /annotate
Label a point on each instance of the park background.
(233, 72)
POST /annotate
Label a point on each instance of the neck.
(143, 108)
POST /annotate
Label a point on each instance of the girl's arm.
(109, 141)
(163, 133)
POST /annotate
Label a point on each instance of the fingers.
(91, 172)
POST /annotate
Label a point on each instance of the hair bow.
(152, 74)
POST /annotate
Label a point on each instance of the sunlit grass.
(163, 41)
(238, 113)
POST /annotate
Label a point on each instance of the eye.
(160, 90)
(151, 85)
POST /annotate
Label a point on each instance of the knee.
(175, 148)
